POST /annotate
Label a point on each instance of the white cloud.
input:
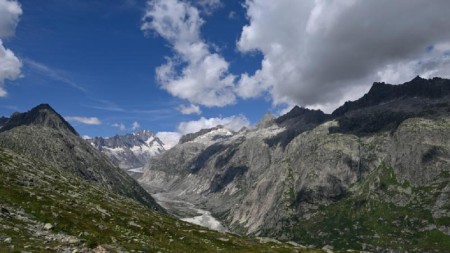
(190, 109)
(208, 6)
(234, 123)
(135, 125)
(84, 120)
(10, 65)
(86, 137)
(10, 12)
(169, 139)
(194, 73)
(120, 126)
(232, 15)
(319, 52)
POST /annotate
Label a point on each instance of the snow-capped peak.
(130, 151)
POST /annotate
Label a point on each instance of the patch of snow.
(113, 150)
(213, 136)
(149, 140)
(205, 219)
(137, 170)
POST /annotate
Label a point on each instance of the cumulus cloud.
(10, 65)
(190, 109)
(234, 123)
(169, 139)
(319, 52)
(194, 73)
(135, 125)
(10, 12)
(84, 120)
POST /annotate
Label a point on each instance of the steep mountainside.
(374, 175)
(59, 194)
(131, 151)
(43, 133)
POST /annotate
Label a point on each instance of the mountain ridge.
(382, 92)
(43, 115)
(312, 166)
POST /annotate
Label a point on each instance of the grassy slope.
(84, 216)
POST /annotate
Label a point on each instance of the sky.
(177, 66)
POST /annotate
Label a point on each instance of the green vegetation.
(84, 216)
(381, 212)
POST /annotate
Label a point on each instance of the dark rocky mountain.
(42, 133)
(435, 88)
(130, 151)
(3, 120)
(385, 106)
(60, 194)
(374, 175)
(41, 115)
(295, 122)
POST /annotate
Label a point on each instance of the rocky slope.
(131, 151)
(373, 175)
(59, 194)
(45, 209)
(43, 133)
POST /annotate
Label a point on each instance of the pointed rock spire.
(41, 115)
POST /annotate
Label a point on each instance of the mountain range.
(130, 151)
(60, 194)
(374, 175)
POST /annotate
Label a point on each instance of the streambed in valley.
(188, 212)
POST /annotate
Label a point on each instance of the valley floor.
(188, 212)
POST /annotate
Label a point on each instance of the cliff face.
(321, 178)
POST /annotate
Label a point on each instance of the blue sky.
(91, 59)
(109, 65)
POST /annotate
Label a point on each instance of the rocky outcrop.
(384, 151)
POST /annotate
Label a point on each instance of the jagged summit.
(383, 92)
(127, 140)
(130, 151)
(301, 114)
(41, 115)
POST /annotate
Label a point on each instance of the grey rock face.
(262, 181)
